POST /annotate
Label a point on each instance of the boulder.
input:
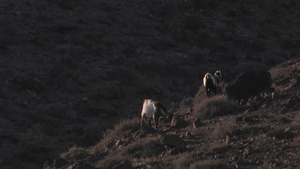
(172, 140)
(248, 84)
(177, 122)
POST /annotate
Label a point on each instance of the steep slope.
(262, 132)
(73, 69)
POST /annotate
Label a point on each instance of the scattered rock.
(110, 144)
(197, 123)
(123, 165)
(187, 134)
(248, 84)
(119, 142)
(227, 139)
(172, 140)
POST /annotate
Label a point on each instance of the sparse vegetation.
(121, 130)
(214, 107)
(209, 164)
(217, 147)
(296, 119)
(296, 142)
(110, 162)
(227, 126)
(184, 161)
(143, 149)
(74, 153)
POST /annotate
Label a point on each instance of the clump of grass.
(209, 164)
(296, 142)
(121, 130)
(110, 162)
(217, 147)
(214, 107)
(227, 126)
(296, 120)
(184, 161)
(74, 153)
(143, 149)
(200, 96)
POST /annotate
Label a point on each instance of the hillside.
(72, 70)
(261, 132)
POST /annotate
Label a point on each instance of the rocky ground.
(72, 70)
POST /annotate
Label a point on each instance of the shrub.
(74, 153)
(296, 142)
(200, 96)
(121, 130)
(144, 149)
(296, 120)
(184, 161)
(227, 127)
(110, 162)
(218, 148)
(209, 164)
(213, 107)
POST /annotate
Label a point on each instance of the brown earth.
(71, 70)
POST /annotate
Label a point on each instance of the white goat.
(210, 82)
(152, 110)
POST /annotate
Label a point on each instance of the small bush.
(227, 127)
(218, 148)
(184, 161)
(144, 149)
(209, 164)
(121, 130)
(214, 106)
(297, 118)
(74, 153)
(110, 162)
(296, 142)
(200, 96)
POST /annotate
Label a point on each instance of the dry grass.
(214, 107)
(296, 119)
(209, 164)
(217, 147)
(121, 130)
(184, 161)
(110, 162)
(296, 142)
(74, 153)
(227, 126)
(144, 149)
